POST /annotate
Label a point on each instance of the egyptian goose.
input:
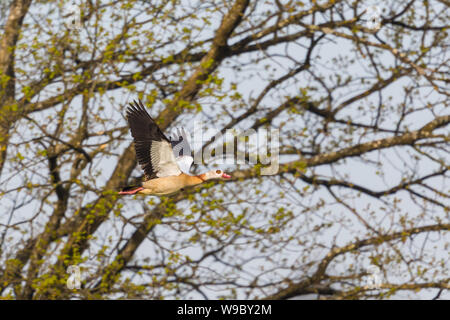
(155, 154)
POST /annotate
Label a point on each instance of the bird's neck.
(195, 180)
(202, 177)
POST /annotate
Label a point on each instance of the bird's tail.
(131, 190)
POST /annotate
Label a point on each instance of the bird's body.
(169, 185)
(155, 154)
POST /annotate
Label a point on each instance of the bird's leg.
(134, 191)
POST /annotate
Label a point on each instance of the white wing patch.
(163, 159)
(184, 163)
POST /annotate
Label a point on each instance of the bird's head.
(216, 174)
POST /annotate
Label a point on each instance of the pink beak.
(226, 176)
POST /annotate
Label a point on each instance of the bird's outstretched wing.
(153, 150)
(182, 150)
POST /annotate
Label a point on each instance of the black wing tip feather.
(137, 110)
(137, 113)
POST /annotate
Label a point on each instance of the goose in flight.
(155, 155)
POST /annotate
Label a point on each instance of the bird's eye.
(218, 171)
